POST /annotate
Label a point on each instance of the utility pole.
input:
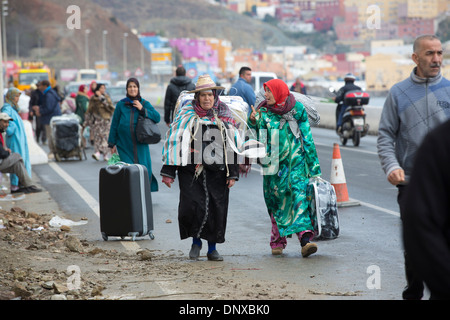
(1, 67)
(125, 35)
(86, 48)
(105, 32)
(5, 56)
(4, 14)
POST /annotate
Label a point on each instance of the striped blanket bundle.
(177, 145)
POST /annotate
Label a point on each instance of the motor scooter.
(354, 124)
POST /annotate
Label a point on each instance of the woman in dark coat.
(204, 184)
(122, 135)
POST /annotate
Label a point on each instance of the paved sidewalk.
(40, 202)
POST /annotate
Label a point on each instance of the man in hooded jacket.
(176, 86)
(49, 106)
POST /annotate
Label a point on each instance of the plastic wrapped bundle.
(307, 102)
(323, 208)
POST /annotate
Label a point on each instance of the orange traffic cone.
(338, 181)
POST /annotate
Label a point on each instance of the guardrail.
(327, 111)
(325, 108)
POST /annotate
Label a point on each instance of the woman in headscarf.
(98, 118)
(16, 138)
(208, 173)
(82, 102)
(122, 136)
(291, 161)
(92, 87)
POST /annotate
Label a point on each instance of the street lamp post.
(1, 67)
(105, 32)
(125, 35)
(5, 55)
(86, 48)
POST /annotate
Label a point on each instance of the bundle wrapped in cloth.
(237, 105)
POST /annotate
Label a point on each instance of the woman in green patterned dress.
(282, 124)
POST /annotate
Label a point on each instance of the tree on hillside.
(443, 31)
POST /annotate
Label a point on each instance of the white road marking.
(86, 196)
(394, 213)
(94, 205)
(397, 214)
(346, 148)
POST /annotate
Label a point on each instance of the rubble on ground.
(41, 261)
(25, 236)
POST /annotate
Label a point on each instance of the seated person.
(13, 162)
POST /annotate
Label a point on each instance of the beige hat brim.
(204, 89)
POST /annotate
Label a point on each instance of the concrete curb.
(326, 109)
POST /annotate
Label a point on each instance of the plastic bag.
(114, 159)
(323, 208)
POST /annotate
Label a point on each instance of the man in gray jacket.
(413, 108)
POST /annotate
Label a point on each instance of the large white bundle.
(237, 105)
(307, 102)
(176, 147)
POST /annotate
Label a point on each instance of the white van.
(259, 78)
(87, 75)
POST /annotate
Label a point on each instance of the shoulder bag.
(147, 131)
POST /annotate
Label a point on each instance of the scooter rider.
(339, 99)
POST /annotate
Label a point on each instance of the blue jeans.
(341, 115)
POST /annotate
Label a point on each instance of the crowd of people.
(413, 147)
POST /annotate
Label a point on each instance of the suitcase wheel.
(133, 235)
(104, 236)
(151, 235)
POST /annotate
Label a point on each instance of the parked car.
(72, 87)
(259, 78)
(116, 93)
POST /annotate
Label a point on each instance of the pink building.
(288, 11)
(196, 49)
(349, 29)
(412, 27)
(325, 13)
(389, 31)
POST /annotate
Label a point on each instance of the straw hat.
(205, 82)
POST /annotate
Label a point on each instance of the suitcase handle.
(115, 168)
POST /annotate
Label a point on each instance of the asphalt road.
(366, 260)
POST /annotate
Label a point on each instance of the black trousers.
(414, 284)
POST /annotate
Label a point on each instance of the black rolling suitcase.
(125, 201)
